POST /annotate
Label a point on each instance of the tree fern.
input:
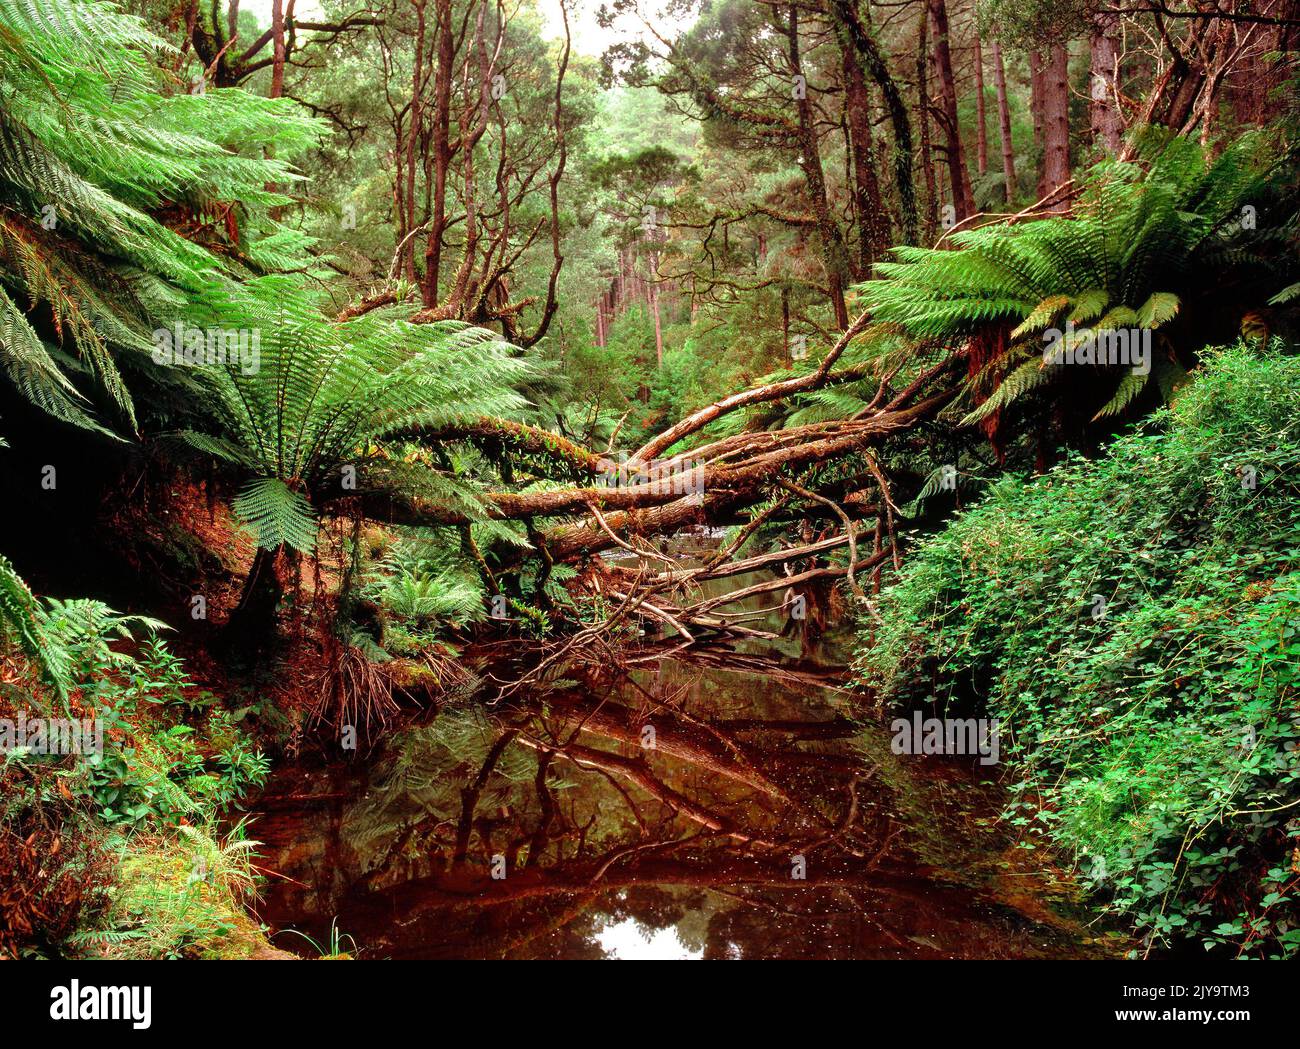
(318, 413)
(1146, 248)
(277, 515)
(102, 153)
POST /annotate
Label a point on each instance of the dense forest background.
(340, 336)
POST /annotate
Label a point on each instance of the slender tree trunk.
(1037, 89)
(981, 115)
(873, 236)
(277, 54)
(785, 319)
(962, 199)
(416, 115)
(1056, 122)
(1103, 107)
(659, 328)
(923, 112)
(834, 256)
(1004, 122)
(441, 134)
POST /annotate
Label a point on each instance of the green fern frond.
(277, 515)
(1129, 387)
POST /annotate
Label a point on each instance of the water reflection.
(707, 806)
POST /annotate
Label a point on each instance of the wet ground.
(722, 804)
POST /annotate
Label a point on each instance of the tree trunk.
(834, 256)
(416, 114)
(855, 34)
(1004, 122)
(1037, 90)
(981, 116)
(874, 233)
(923, 110)
(277, 54)
(1103, 106)
(441, 134)
(1056, 123)
(962, 199)
(251, 628)
(653, 291)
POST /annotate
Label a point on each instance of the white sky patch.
(627, 941)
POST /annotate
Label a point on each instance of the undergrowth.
(1132, 620)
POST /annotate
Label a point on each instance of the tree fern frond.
(277, 515)
(1129, 387)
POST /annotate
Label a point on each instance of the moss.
(180, 895)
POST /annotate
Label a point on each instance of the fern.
(20, 620)
(326, 409)
(1149, 242)
(96, 147)
(277, 515)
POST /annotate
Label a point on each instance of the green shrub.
(117, 853)
(1133, 622)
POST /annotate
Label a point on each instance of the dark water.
(722, 806)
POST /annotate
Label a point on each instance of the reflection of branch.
(617, 722)
(467, 885)
(637, 773)
(469, 796)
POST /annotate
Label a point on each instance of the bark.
(416, 119)
(873, 232)
(654, 309)
(1103, 106)
(277, 36)
(962, 199)
(923, 111)
(1004, 122)
(981, 115)
(557, 257)
(834, 254)
(441, 145)
(855, 34)
(1037, 101)
(1056, 123)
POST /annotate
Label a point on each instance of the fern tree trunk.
(252, 625)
